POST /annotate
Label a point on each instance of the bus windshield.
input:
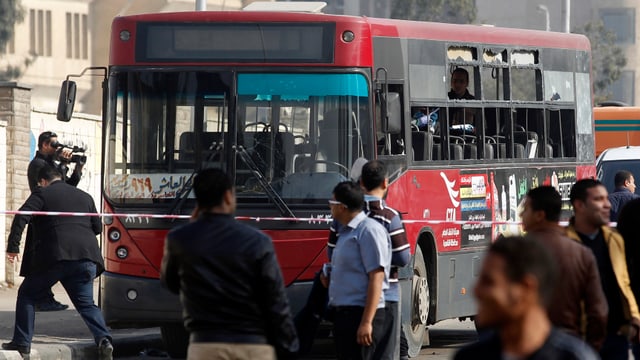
(291, 136)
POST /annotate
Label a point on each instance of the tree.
(449, 11)
(608, 58)
(11, 13)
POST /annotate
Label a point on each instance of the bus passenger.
(512, 294)
(578, 294)
(461, 120)
(589, 227)
(229, 281)
(359, 275)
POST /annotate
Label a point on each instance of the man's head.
(45, 141)
(624, 179)
(374, 176)
(515, 278)
(590, 202)
(347, 201)
(541, 206)
(214, 189)
(47, 175)
(459, 81)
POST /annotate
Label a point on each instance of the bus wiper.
(273, 195)
(183, 193)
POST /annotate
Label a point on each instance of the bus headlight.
(122, 252)
(114, 235)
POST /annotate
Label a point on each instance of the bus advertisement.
(287, 102)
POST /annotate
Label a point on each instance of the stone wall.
(15, 112)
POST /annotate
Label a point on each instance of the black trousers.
(345, 330)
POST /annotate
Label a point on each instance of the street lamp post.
(545, 10)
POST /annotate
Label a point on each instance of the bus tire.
(415, 327)
(176, 340)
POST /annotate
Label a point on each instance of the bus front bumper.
(135, 302)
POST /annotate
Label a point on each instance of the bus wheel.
(419, 305)
(176, 340)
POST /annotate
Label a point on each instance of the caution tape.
(257, 218)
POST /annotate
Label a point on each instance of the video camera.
(77, 153)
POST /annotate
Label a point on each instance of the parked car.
(615, 159)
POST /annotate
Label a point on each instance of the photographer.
(50, 153)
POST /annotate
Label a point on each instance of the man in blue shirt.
(360, 272)
(625, 191)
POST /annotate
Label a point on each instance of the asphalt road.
(446, 337)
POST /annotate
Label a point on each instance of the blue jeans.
(77, 279)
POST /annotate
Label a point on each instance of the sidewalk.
(62, 335)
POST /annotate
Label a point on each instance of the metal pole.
(545, 10)
(201, 5)
(566, 11)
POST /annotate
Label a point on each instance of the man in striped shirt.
(375, 182)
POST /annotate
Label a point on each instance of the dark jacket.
(229, 282)
(57, 238)
(39, 161)
(578, 295)
(618, 198)
(558, 346)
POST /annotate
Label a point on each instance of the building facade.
(619, 16)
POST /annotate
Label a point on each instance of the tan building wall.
(45, 31)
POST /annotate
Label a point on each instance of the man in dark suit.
(63, 248)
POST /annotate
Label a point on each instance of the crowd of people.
(553, 293)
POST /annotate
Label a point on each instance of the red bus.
(287, 102)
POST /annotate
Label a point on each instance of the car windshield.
(292, 136)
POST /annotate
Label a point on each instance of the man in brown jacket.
(589, 226)
(578, 294)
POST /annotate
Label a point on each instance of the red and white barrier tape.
(254, 218)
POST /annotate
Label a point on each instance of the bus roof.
(386, 27)
(616, 113)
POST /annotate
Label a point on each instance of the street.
(446, 337)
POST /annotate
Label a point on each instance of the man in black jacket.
(229, 281)
(50, 153)
(64, 249)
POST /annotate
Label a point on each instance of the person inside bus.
(459, 91)
(512, 292)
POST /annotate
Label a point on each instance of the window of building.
(622, 21)
(77, 36)
(40, 37)
(623, 88)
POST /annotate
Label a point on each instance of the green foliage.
(11, 13)
(608, 58)
(448, 11)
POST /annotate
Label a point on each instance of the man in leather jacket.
(578, 294)
(589, 226)
(229, 281)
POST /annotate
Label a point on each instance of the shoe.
(105, 349)
(24, 350)
(51, 306)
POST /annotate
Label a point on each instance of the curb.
(122, 345)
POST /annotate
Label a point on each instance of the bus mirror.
(391, 121)
(66, 100)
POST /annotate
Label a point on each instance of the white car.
(615, 159)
